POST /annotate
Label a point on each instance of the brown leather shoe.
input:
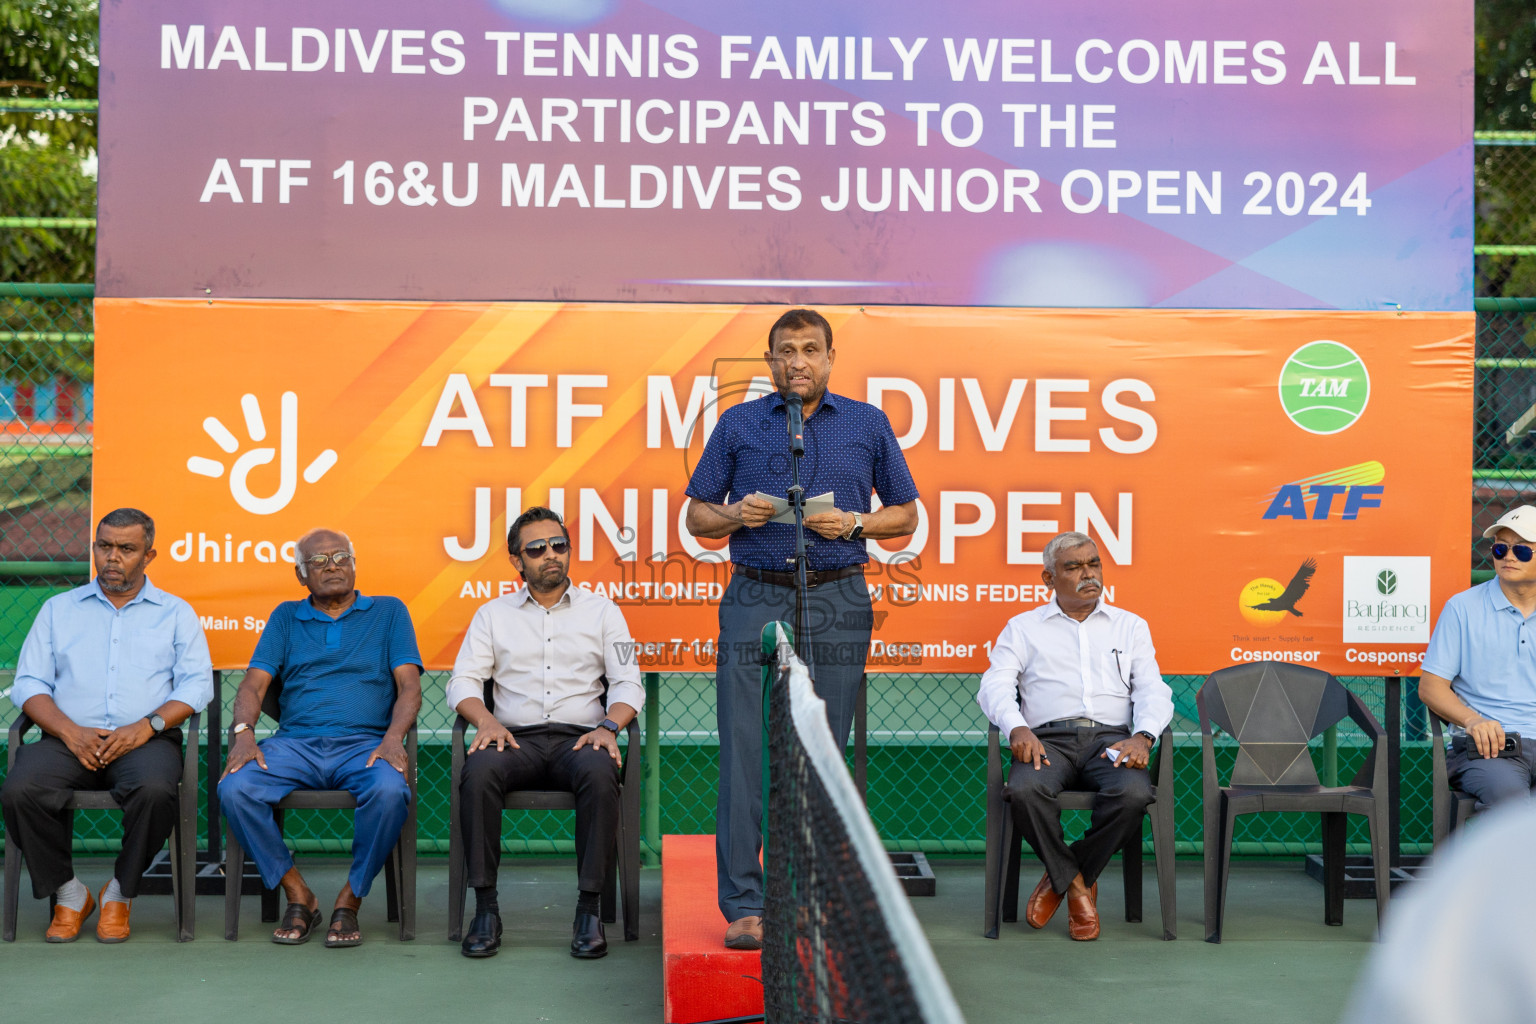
(112, 925)
(745, 933)
(1042, 903)
(65, 926)
(1083, 913)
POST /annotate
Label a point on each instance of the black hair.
(798, 318)
(536, 514)
(120, 517)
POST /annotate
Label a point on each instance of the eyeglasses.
(340, 559)
(535, 548)
(1522, 551)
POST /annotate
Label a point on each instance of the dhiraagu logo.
(1324, 387)
(286, 453)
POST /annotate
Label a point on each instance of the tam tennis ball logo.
(1386, 582)
(1324, 387)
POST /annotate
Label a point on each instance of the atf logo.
(1338, 494)
(286, 453)
(1324, 387)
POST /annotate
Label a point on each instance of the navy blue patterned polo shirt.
(850, 450)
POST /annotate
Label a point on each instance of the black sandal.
(346, 918)
(299, 917)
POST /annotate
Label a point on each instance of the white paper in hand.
(782, 513)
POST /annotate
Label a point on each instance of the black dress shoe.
(587, 939)
(484, 936)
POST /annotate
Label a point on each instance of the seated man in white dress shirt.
(1075, 687)
(547, 646)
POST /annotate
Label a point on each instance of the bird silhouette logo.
(1293, 591)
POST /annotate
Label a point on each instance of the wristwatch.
(156, 723)
(241, 727)
(1150, 738)
(858, 527)
(610, 725)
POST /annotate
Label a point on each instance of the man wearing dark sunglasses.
(1480, 669)
(351, 687)
(564, 685)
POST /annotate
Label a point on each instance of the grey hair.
(298, 547)
(1063, 542)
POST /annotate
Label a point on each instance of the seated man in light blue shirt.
(1480, 669)
(109, 671)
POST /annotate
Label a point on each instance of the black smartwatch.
(610, 725)
(1150, 738)
(156, 723)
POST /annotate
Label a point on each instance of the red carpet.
(702, 980)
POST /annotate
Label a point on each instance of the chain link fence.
(926, 757)
(1504, 175)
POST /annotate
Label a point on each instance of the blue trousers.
(317, 762)
(840, 620)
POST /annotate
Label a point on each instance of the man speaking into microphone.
(851, 452)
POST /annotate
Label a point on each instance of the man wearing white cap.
(1480, 669)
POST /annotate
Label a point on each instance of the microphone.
(794, 406)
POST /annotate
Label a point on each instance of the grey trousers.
(1123, 795)
(840, 619)
(1490, 779)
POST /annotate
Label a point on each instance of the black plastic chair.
(626, 865)
(1274, 710)
(1451, 806)
(399, 873)
(1004, 844)
(183, 833)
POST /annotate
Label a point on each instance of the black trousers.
(1123, 796)
(543, 759)
(143, 782)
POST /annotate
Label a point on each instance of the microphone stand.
(795, 421)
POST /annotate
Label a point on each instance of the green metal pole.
(32, 569)
(20, 104)
(28, 290)
(650, 851)
(770, 638)
(1331, 756)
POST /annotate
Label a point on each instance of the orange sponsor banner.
(1261, 484)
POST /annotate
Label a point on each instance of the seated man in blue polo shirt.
(1480, 669)
(351, 679)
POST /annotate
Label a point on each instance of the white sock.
(72, 894)
(114, 893)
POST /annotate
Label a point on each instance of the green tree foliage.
(44, 338)
(1506, 175)
(48, 50)
(38, 180)
(1505, 61)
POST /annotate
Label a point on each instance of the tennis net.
(841, 942)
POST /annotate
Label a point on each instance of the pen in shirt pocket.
(1119, 669)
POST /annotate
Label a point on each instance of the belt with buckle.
(1079, 723)
(813, 577)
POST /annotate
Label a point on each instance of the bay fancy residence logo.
(1386, 599)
